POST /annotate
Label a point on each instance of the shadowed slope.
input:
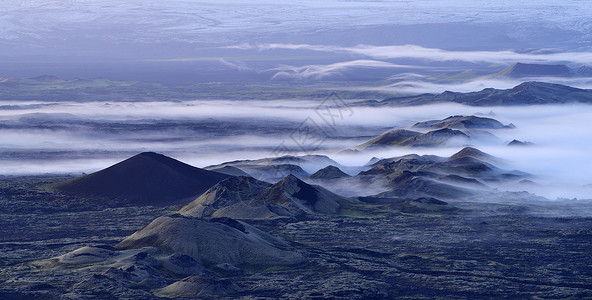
(229, 170)
(236, 192)
(145, 179)
(437, 138)
(517, 143)
(248, 198)
(292, 196)
(463, 122)
(213, 242)
(408, 138)
(329, 172)
(390, 138)
(527, 93)
(412, 185)
(474, 153)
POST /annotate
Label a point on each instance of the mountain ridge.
(526, 93)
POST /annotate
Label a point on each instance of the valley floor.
(508, 252)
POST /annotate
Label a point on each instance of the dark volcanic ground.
(509, 252)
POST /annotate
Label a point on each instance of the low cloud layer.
(323, 71)
(433, 54)
(559, 159)
(414, 84)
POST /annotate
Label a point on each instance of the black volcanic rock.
(527, 93)
(145, 179)
(329, 172)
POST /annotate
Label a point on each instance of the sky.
(289, 39)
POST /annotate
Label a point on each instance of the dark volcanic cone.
(145, 179)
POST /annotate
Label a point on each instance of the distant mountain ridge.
(519, 70)
(516, 71)
(527, 93)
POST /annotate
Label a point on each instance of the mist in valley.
(255, 149)
(95, 135)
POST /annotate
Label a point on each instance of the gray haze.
(560, 157)
(378, 47)
(179, 41)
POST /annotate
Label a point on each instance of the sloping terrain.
(438, 137)
(439, 230)
(328, 173)
(214, 242)
(390, 138)
(248, 198)
(407, 138)
(457, 130)
(276, 168)
(527, 93)
(463, 122)
(463, 175)
(408, 248)
(145, 179)
(294, 197)
(474, 153)
(520, 70)
(229, 170)
(233, 197)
